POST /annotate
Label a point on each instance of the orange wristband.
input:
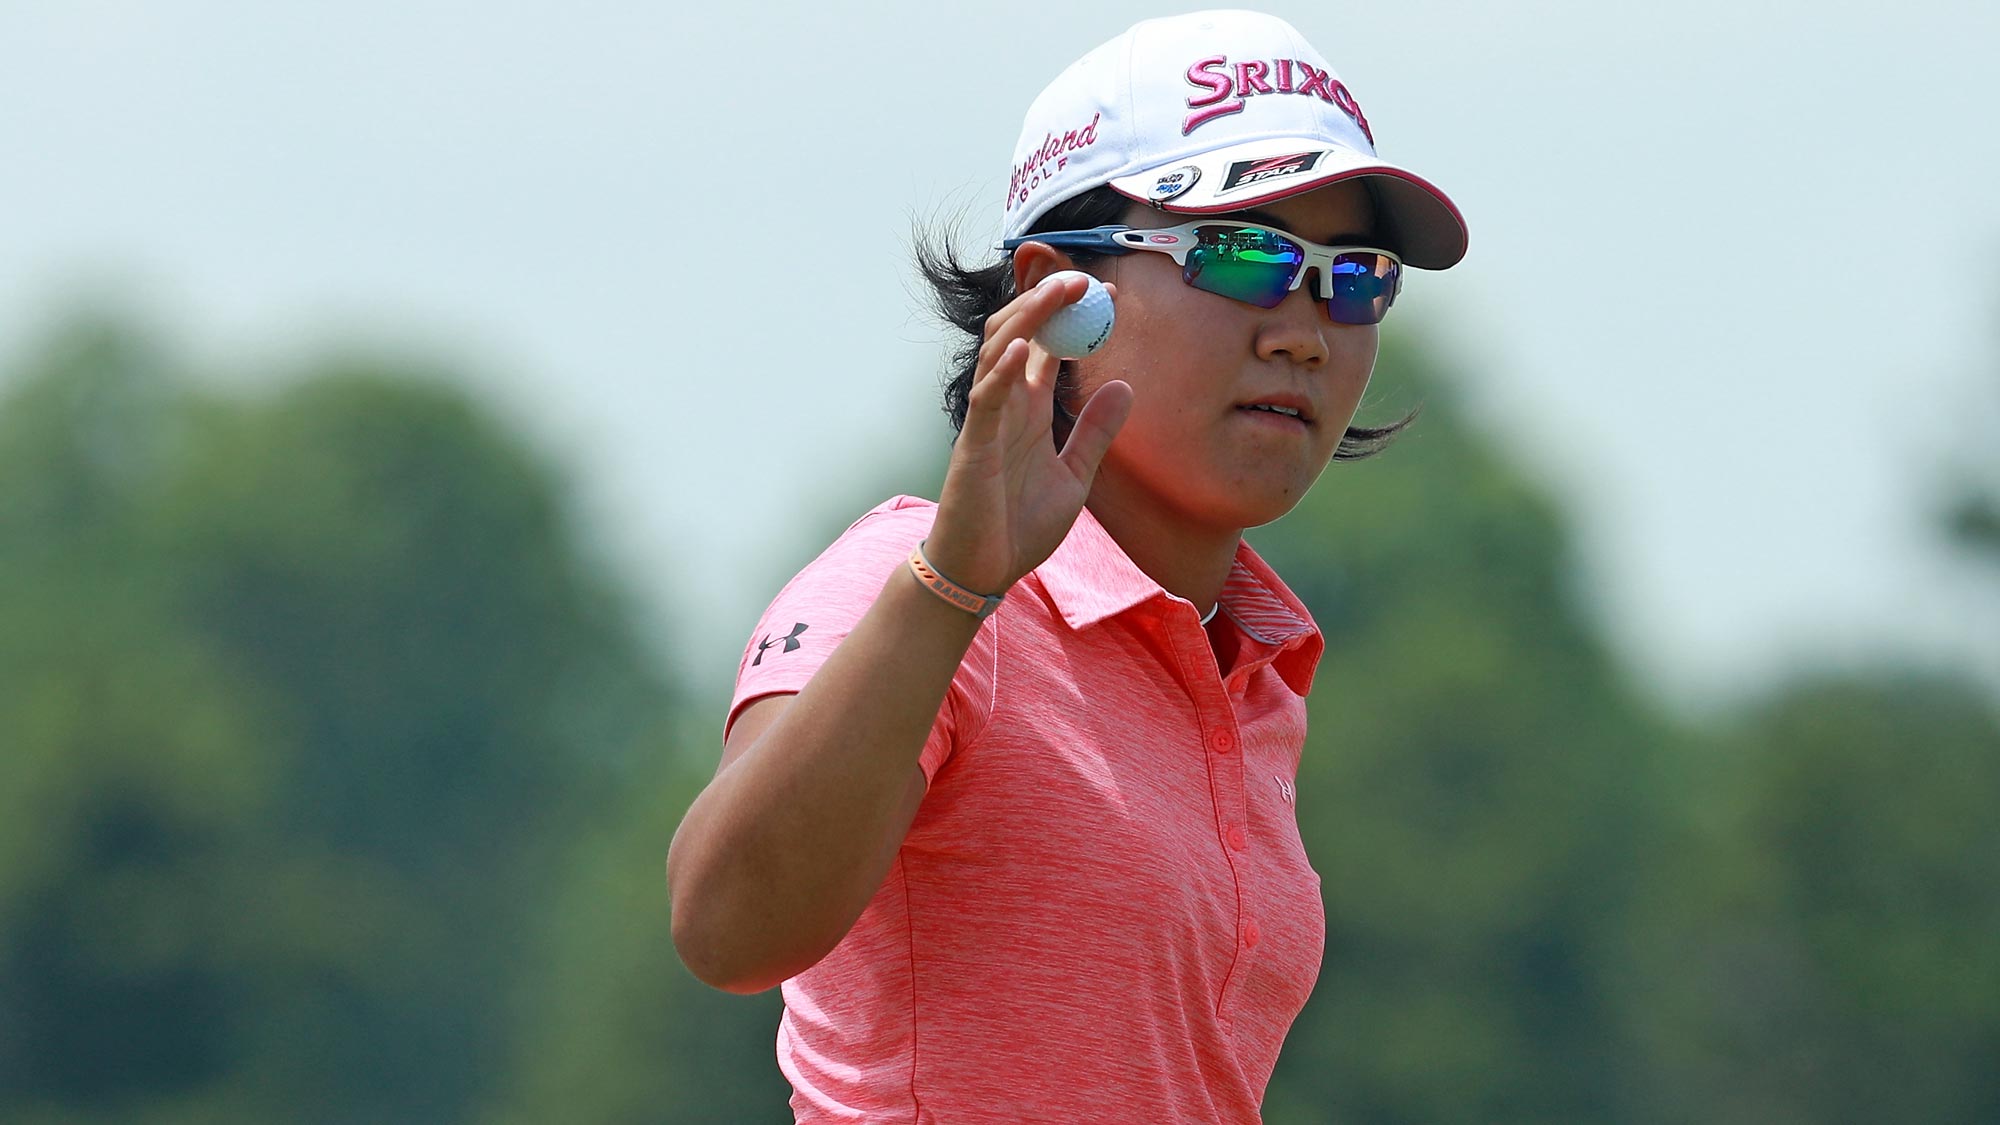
(979, 605)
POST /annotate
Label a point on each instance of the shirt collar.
(1091, 578)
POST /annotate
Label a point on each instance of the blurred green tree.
(1968, 510)
(1974, 522)
(617, 1030)
(303, 695)
(1819, 942)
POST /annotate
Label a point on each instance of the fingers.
(992, 384)
(1043, 369)
(1008, 357)
(1098, 422)
(1023, 316)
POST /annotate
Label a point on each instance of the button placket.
(1217, 730)
(1229, 766)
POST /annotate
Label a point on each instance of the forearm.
(783, 850)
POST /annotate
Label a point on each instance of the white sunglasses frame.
(1175, 242)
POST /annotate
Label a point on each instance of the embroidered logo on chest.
(1288, 791)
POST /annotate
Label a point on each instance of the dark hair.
(963, 296)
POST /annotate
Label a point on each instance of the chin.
(1247, 508)
(1259, 519)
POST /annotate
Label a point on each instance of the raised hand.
(1009, 497)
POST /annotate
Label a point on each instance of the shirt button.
(1222, 741)
(1250, 934)
(1237, 837)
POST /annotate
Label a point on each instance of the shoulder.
(896, 515)
(891, 527)
(821, 603)
(881, 538)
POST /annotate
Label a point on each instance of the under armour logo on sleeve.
(791, 640)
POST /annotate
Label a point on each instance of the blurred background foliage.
(336, 784)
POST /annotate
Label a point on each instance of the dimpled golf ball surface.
(1079, 328)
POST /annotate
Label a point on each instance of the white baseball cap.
(1214, 112)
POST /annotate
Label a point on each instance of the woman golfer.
(1005, 802)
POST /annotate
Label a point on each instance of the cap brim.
(1424, 220)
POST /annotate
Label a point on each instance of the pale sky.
(1732, 276)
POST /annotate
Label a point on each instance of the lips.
(1296, 407)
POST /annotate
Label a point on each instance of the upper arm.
(758, 717)
(750, 725)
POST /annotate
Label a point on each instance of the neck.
(1187, 559)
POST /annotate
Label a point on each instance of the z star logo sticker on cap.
(1250, 173)
(1212, 113)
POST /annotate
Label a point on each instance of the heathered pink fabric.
(1102, 911)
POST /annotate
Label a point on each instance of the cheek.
(1157, 307)
(1141, 343)
(1352, 365)
(1172, 366)
(1166, 333)
(1356, 355)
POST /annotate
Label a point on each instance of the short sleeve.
(821, 604)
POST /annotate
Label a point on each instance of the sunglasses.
(1255, 264)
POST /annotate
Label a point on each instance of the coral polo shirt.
(1102, 911)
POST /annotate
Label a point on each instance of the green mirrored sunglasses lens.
(1254, 266)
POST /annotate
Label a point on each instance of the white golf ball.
(1081, 327)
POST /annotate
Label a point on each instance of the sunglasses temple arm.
(1097, 240)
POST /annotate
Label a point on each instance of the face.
(1196, 361)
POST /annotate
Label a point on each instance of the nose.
(1296, 330)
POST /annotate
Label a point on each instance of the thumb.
(1099, 422)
